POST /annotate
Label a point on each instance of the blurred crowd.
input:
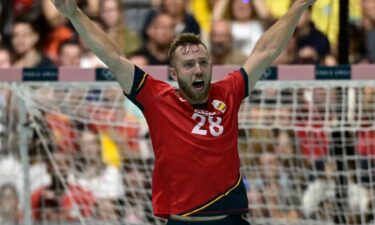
(89, 158)
(34, 34)
(307, 155)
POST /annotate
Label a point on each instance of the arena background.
(74, 150)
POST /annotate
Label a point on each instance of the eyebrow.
(191, 60)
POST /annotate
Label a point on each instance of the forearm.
(275, 40)
(102, 46)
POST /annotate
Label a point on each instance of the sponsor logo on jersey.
(219, 105)
(204, 112)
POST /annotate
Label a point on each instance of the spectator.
(357, 45)
(28, 9)
(90, 7)
(273, 181)
(160, 34)
(368, 7)
(311, 118)
(25, 42)
(325, 16)
(320, 206)
(257, 204)
(284, 110)
(9, 207)
(185, 22)
(177, 9)
(221, 45)
(365, 117)
(139, 60)
(104, 182)
(59, 201)
(311, 43)
(109, 211)
(5, 57)
(112, 22)
(56, 32)
(70, 53)
(206, 11)
(135, 180)
(246, 28)
(286, 149)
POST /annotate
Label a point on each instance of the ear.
(173, 73)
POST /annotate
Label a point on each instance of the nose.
(198, 69)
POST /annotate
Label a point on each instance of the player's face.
(192, 70)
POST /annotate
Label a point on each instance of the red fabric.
(75, 195)
(191, 169)
(85, 200)
(314, 144)
(129, 131)
(312, 136)
(57, 36)
(22, 6)
(366, 142)
(62, 131)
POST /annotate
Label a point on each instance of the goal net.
(306, 147)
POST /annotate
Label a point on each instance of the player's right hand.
(66, 7)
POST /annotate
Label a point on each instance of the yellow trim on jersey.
(143, 80)
(215, 200)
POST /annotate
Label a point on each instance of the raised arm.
(274, 41)
(106, 49)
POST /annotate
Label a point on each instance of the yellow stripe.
(215, 200)
(143, 80)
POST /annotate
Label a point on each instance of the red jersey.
(196, 159)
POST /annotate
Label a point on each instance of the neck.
(192, 101)
(28, 59)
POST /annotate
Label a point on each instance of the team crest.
(219, 105)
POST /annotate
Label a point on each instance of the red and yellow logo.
(219, 105)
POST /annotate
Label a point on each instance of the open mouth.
(199, 84)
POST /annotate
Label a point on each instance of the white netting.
(307, 152)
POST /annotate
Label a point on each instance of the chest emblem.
(219, 105)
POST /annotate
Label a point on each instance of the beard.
(195, 97)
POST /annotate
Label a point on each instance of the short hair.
(183, 40)
(70, 41)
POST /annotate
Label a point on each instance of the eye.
(203, 62)
(189, 65)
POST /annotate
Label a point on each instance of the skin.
(265, 52)
(190, 66)
(70, 55)
(5, 61)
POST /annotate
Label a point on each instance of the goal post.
(306, 145)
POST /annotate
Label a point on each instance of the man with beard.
(221, 45)
(193, 129)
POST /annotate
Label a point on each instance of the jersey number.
(215, 128)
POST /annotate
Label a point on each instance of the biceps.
(255, 66)
(123, 70)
